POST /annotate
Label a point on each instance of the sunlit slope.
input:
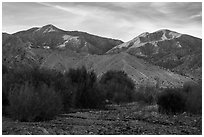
(139, 70)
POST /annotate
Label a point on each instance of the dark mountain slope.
(50, 36)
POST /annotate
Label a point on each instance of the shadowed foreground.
(116, 119)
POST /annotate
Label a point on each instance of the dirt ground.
(126, 119)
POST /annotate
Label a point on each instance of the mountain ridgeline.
(164, 56)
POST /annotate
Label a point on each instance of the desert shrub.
(13, 77)
(189, 86)
(7, 85)
(5, 89)
(86, 94)
(82, 76)
(117, 93)
(91, 97)
(66, 90)
(17, 77)
(5, 69)
(5, 93)
(30, 103)
(171, 101)
(146, 94)
(5, 103)
(119, 77)
(39, 75)
(188, 99)
(46, 76)
(34, 76)
(118, 86)
(193, 97)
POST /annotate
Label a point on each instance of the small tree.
(118, 86)
(87, 93)
(146, 94)
(171, 101)
(193, 97)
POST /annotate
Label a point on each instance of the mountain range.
(165, 56)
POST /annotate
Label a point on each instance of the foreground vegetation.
(40, 94)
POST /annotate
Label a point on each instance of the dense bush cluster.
(171, 101)
(186, 99)
(29, 94)
(30, 103)
(87, 94)
(193, 97)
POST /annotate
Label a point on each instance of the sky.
(119, 20)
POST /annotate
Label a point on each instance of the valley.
(125, 79)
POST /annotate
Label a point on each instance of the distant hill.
(180, 53)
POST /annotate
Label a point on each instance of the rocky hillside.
(168, 49)
(16, 53)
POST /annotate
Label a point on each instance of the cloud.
(195, 16)
(122, 20)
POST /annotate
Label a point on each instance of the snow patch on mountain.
(178, 44)
(85, 45)
(69, 39)
(174, 34)
(47, 29)
(131, 43)
(62, 45)
(145, 34)
(167, 34)
(37, 30)
(155, 43)
(50, 29)
(164, 36)
(46, 47)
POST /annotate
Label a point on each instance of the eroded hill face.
(171, 50)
